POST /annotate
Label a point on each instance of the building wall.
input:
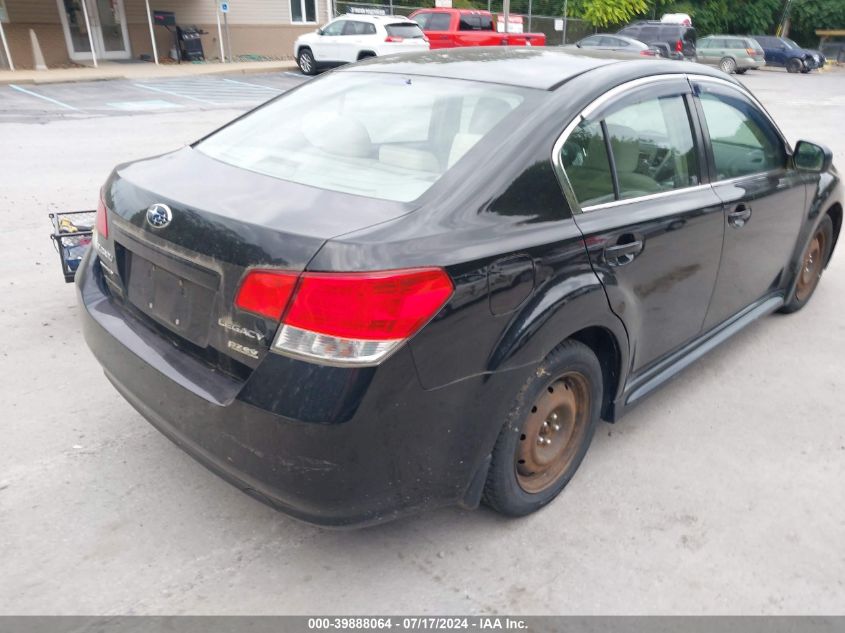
(257, 27)
(42, 16)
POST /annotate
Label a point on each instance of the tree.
(606, 12)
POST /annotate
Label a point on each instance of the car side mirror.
(812, 157)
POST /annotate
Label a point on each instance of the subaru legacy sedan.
(423, 280)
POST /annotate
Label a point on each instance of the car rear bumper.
(403, 449)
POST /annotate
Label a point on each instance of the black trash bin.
(190, 43)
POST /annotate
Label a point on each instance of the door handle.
(739, 216)
(623, 252)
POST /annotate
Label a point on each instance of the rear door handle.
(739, 216)
(621, 254)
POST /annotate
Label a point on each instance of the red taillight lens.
(373, 306)
(647, 53)
(393, 38)
(102, 219)
(266, 292)
(750, 51)
(345, 318)
(679, 46)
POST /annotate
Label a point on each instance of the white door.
(326, 47)
(107, 21)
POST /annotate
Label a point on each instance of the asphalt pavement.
(721, 494)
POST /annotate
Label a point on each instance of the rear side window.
(433, 21)
(354, 27)
(474, 23)
(743, 141)
(652, 147)
(584, 158)
(404, 30)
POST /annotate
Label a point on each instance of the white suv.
(352, 37)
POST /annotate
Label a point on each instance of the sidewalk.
(114, 70)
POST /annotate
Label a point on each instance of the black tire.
(741, 71)
(727, 65)
(306, 62)
(806, 69)
(794, 65)
(813, 261)
(574, 371)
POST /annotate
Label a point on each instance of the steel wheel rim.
(811, 267)
(553, 432)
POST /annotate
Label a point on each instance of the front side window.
(743, 141)
(652, 147)
(328, 134)
(303, 11)
(334, 28)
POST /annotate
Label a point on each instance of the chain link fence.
(572, 31)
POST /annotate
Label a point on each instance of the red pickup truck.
(449, 28)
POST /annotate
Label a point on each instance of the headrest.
(340, 135)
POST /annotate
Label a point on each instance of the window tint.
(437, 22)
(469, 23)
(354, 27)
(743, 141)
(593, 40)
(653, 147)
(584, 158)
(334, 28)
(404, 30)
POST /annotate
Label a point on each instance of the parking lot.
(721, 494)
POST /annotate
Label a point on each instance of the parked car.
(782, 51)
(452, 28)
(676, 40)
(356, 312)
(731, 53)
(354, 37)
(617, 43)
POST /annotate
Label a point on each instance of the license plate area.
(179, 304)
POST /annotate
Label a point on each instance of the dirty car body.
(522, 265)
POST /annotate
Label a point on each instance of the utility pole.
(506, 10)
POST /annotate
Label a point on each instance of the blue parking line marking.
(35, 94)
(176, 94)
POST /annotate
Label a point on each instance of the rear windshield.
(371, 134)
(404, 30)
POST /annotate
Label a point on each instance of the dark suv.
(676, 41)
(782, 51)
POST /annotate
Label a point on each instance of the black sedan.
(422, 280)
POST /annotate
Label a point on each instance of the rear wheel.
(741, 71)
(794, 65)
(813, 262)
(548, 433)
(305, 61)
(727, 65)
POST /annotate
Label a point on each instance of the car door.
(763, 197)
(653, 229)
(356, 36)
(326, 48)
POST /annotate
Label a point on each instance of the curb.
(93, 74)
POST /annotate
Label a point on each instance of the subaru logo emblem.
(159, 215)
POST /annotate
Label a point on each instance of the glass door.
(107, 22)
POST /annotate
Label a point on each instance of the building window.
(303, 11)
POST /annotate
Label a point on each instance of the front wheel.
(813, 261)
(794, 65)
(305, 61)
(727, 65)
(547, 433)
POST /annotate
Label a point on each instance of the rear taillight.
(394, 38)
(345, 318)
(266, 292)
(102, 220)
(751, 52)
(679, 46)
(648, 53)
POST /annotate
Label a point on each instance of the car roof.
(375, 18)
(529, 67)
